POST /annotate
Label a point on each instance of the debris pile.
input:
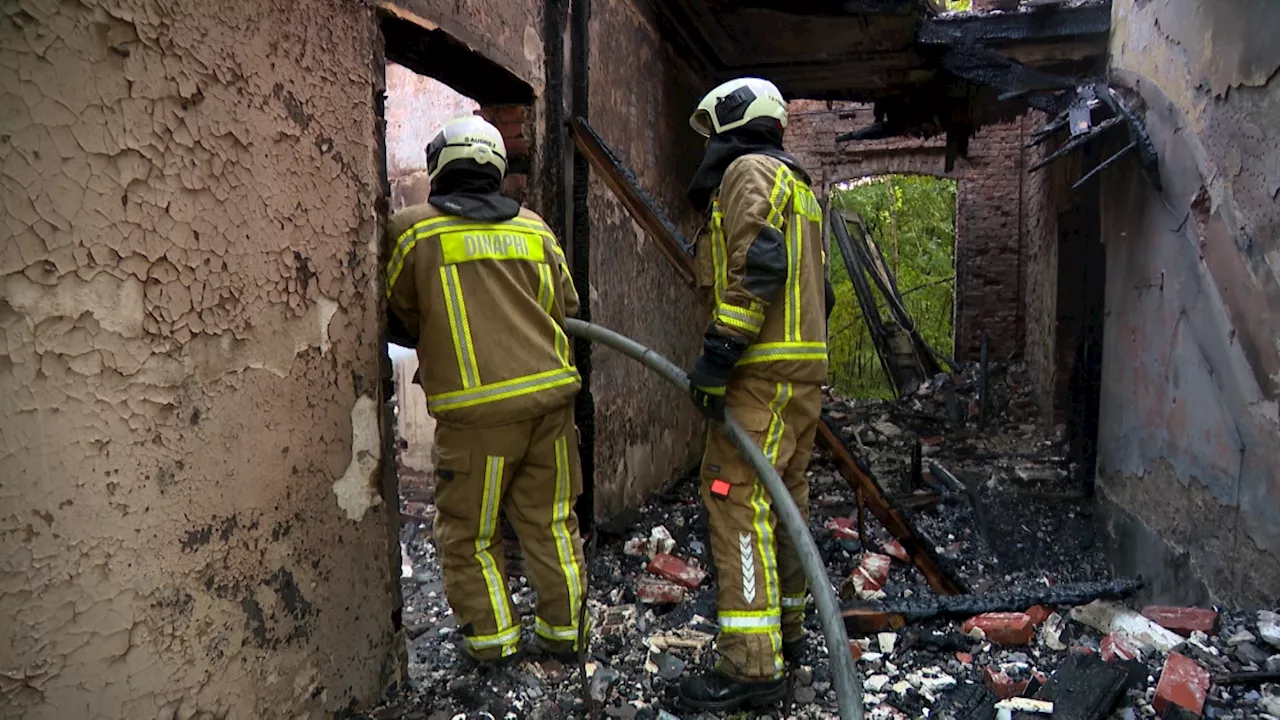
(1043, 631)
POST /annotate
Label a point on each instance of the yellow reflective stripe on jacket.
(778, 195)
(489, 505)
(719, 264)
(749, 621)
(409, 238)
(791, 317)
(565, 551)
(546, 287)
(507, 639)
(773, 352)
(562, 346)
(505, 390)
(491, 244)
(739, 317)
(459, 326)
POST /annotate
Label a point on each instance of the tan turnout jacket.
(488, 302)
(737, 261)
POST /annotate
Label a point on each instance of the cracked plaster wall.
(188, 373)
(1190, 436)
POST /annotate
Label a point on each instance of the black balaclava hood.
(762, 136)
(471, 190)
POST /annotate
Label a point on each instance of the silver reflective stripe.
(792, 602)
(505, 637)
(751, 622)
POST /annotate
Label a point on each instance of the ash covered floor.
(1002, 512)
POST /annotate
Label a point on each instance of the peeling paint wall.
(1190, 438)
(647, 432)
(189, 435)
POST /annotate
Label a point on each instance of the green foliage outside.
(911, 218)
(954, 5)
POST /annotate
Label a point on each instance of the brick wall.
(990, 227)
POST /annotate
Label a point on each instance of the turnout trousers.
(529, 471)
(760, 581)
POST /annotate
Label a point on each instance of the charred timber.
(1054, 23)
(869, 616)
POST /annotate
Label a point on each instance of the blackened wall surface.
(189, 431)
(641, 97)
(1190, 440)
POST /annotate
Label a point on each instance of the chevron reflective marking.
(748, 567)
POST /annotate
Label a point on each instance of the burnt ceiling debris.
(925, 72)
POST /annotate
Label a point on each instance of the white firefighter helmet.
(736, 103)
(466, 138)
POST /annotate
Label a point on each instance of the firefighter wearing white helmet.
(762, 265)
(481, 287)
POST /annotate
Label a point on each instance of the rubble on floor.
(1015, 526)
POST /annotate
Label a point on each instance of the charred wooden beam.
(1076, 143)
(873, 616)
(1046, 24)
(922, 554)
(642, 207)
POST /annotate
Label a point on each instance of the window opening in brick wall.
(912, 220)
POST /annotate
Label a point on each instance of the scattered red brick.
(1003, 686)
(1038, 614)
(1118, 647)
(842, 528)
(1003, 628)
(676, 570)
(1183, 683)
(872, 574)
(1083, 650)
(855, 650)
(653, 591)
(894, 548)
(965, 658)
(1183, 620)
(931, 440)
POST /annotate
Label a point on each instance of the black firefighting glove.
(829, 295)
(710, 377)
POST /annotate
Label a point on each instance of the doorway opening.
(911, 219)
(1082, 272)
(427, 78)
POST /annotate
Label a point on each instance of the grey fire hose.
(848, 686)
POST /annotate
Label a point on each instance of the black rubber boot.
(713, 691)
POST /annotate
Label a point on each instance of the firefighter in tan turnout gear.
(480, 284)
(762, 264)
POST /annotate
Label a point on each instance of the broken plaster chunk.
(357, 489)
(886, 642)
(1027, 705)
(876, 683)
(931, 681)
(1051, 632)
(1269, 628)
(1109, 617)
